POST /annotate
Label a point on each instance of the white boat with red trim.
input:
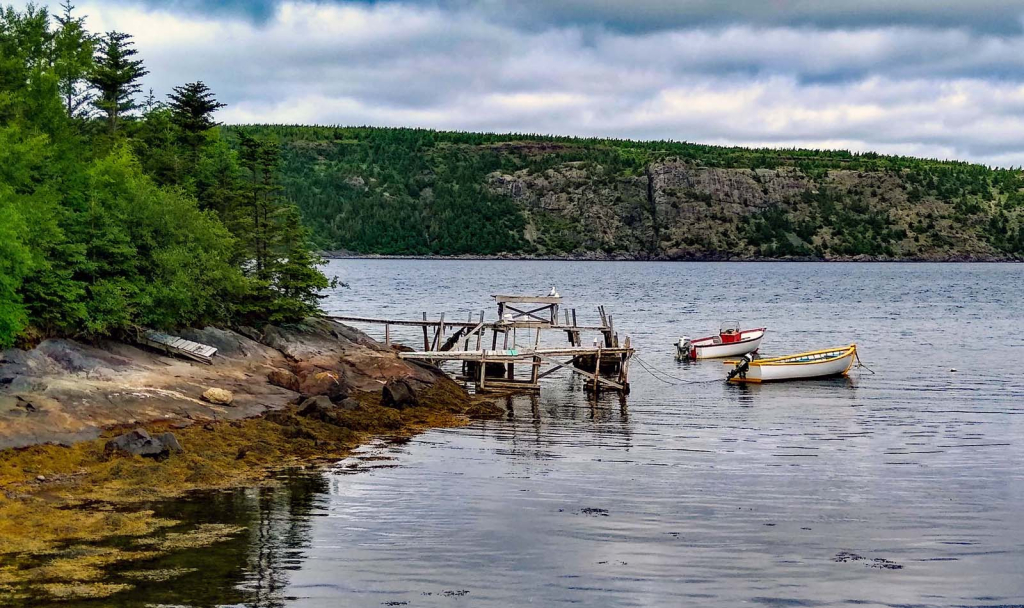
(814, 364)
(731, 341)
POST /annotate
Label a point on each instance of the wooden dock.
(605, 364)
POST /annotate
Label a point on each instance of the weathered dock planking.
(173, 345)
(605, 364)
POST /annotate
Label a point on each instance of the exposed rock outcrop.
(63, 390)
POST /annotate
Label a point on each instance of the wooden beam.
(547, 373)
(604, 381)
(452, 324)
(501, 299)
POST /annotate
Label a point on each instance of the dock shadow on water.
(902, 488)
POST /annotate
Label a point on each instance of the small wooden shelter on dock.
(605, 363)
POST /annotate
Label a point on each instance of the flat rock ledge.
(64, 391)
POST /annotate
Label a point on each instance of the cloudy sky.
(937, 78)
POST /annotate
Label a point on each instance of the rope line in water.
(654, 372)
(861, 364)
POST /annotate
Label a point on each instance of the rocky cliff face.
(680, 210)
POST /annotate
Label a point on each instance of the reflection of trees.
(251, 568)
(280, 534)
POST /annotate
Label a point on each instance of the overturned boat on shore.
(826, 363)
(731, 341)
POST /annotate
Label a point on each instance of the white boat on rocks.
(814, 364)
(731, 341)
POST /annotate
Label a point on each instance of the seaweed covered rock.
(140, 443)
(317, 408)
(399, 394)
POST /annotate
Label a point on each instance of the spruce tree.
(73, 48)
(115, 77)
(192, 106)
(276, 251)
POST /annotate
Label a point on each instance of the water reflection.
(901, 488)
(250, 569)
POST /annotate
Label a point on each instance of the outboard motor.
(683, 348)
(741, 367)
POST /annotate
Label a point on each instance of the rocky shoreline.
(92, 433)
(677, 256)
(64, 391)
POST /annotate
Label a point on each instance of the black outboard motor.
(741, 367)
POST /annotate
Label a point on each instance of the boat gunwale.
(763, 331)
(844, 351)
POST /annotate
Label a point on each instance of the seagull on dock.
(553, 293)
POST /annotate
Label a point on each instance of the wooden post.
(481, 374)
(610, 336)
(577, 339)
(426, 341)
(534, 376)
(439, 339)
(387, 335)
(624, 368)
(597, 371)
(510, 370)
(480, 334)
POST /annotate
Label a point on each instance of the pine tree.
(192, 106)
(297, 280)
(276, 251)
(73, 49)
(115, 77)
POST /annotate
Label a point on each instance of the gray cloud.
(909, 86)
(991, 16)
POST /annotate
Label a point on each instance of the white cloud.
(915, 88)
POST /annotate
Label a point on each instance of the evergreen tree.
(297, 281)
(115, 77)
(73, 49)
(192, 107)
(276, 252)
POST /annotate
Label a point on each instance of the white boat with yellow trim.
(814, 364)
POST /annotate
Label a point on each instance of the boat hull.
(705, 348)
(792, 368)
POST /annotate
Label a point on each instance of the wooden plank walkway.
(174, 345)
(468, 324)
(517, 354)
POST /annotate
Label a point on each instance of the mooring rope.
(654, 371)
(861, 364)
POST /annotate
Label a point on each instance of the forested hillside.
(422, 192)
(119, 212)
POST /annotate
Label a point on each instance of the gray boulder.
(141, 443)
(399, 394)
(317, 408)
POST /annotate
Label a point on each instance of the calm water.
(902, 488)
